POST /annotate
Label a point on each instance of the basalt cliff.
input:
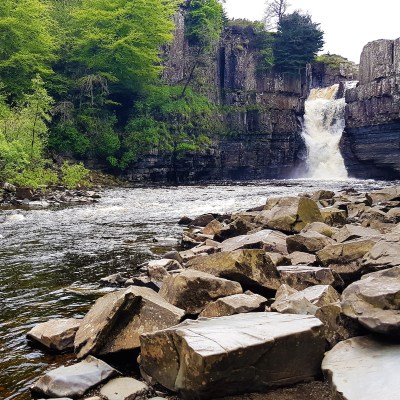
(371, 141)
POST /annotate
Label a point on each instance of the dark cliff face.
(262, 114)
(371, 141)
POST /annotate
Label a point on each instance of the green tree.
(27, 46)
(297, 42)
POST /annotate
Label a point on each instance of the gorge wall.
(261, 114)
(371, 141)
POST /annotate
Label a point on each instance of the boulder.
(202, 220)
(374, 301)
(323, 195)
(115, 321)
(351, 232)
(56, 334)
(383, 195)
(383, 255)
(236, 304)
(113, 280)
(321, 228)
(74, 381)
(363, 368)
(23, 193)
(289, 214)
(308, 242)
(212, 228)
(124, 389)
(192, 290)
(265, 239)
(299, 258)
(173, 255)
(333, 216)
(185, 221)
(211, 358)
(237, 227)
(345, 258)
(300, 277)
(166, 263)
(251, 268)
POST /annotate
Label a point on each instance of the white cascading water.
(323, 127)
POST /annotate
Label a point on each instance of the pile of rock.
(252, 303)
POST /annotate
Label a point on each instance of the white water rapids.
(323, 127)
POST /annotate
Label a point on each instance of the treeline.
(82, 78)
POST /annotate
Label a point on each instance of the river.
(52, 259)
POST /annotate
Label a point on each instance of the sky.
(348, 24)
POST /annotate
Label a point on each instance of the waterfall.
(323, 127)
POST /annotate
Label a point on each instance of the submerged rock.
(74, 381)
(240, 353)
(56, 334)
(364, 368)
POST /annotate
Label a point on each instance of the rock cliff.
(370, 143)
(261, 113)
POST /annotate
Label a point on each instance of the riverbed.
(52, 259)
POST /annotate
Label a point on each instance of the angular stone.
(383, 195)
(166, 263)
(192, 290)
(364, 368)
(237, 227)
(289, 214)
(351, 232)
(321, 228)
(300, 277)
(299, 258)
(383, 255)
(56, 334)
(23, 193)
(323, 195)
(236, 304)
(333, 216)
(113, 280)
(308, 242)
(124, 389)
(393, 215)
(202, 220)
(212, 228)
(115, 321)
(251, 268)
(375, 301)
(75, 380)
(265, 239)
(211, 358)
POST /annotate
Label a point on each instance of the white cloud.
(348, 24)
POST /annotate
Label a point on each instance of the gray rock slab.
(351, 232)
(124, 389)
(364, 368)
(56, 334)
(209, 358)
(75, 380)
(308, 242)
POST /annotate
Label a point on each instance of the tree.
(274, 12)
(27, 46)
(297, 42)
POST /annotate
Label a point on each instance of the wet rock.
(345, 258)
(333, 216)
(202, 220)
(289, 214)
(174, 255)
(251, 268)
(192, 290)
(363, 368)
(300, 277)
(8, 187)
(383, 255)
(321, 228)
(209, 358)
(374, 301)
(145, 282)
(188, 240)
(115, 321)
(351, 232)
(185, 221)
(113, 280)
(24, 193)
(56, 334)
(265, 239)
(299, 258)
(236, 304)
(124, 389)
(168, 264)
(308, 242)
(75, 380)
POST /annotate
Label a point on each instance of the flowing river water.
(51, 260)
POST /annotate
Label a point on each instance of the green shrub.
(74, 175)
(36, 178)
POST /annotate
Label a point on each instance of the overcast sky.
(348, 24)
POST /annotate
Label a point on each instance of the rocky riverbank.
(251, 303)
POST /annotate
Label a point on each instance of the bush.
(74, 175)
(36, 178)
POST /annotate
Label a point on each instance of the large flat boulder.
(75, 380)
(351, 232)
(240, 353)
(115, 321)
(251, 268)
(308, 242)
(383, 195)
(235, 304)
(192, 290)
(124, 389)
(300, 277)
(56, 334)
(321, 228)
(265, 239)
(289, 214)
(364, 368)
(375, 301)
(383, 255)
